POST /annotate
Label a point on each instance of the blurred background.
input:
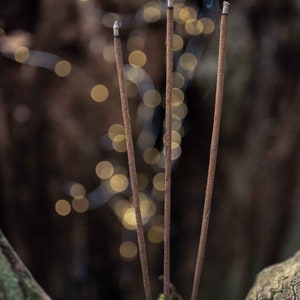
(65, 200)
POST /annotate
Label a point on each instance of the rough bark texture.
(278, 282)
(16, 282)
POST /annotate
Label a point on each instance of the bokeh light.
(63, 68)
(152, 12)
(80, 205)
(178, 80)
(118, 183)
(188, 61)
(121, 206)
(131, 88)
(176, 151)
(129, 220)
(178, 96)
(77, 190)
(99, 93)
(104, 169)
(180, 111)
(151, 156)
(148, 207)
(21, 54)
(156, 234)
(152, 98)
(115, 130)
(194, 27)
(128, 250)
(187, 13)
(177, 42)
(208, 25)
(137, 58)
(62, 207)
(159, 181)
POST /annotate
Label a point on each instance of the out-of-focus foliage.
(64, 188)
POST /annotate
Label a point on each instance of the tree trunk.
(278, 282)
(16, 282)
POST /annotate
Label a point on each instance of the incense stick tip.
(116, 28)
(170, 3)
(225, 10)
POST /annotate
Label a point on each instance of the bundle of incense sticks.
(168, 158)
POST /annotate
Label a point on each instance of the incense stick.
(213, 150)
(131, 161)
(168, 146)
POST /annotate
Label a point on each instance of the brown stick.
(213, 151)
(131, 161)
(168, 147)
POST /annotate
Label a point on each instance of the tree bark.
(16, 282)
(278, 282)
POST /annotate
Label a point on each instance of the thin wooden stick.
(131, 161)
(213, 151)
(168, 146)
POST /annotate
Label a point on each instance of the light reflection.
(62, 68)
(62, 207)
(128, 250)
(21, 54)
(99, 93)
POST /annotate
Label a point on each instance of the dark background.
(52, 135)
